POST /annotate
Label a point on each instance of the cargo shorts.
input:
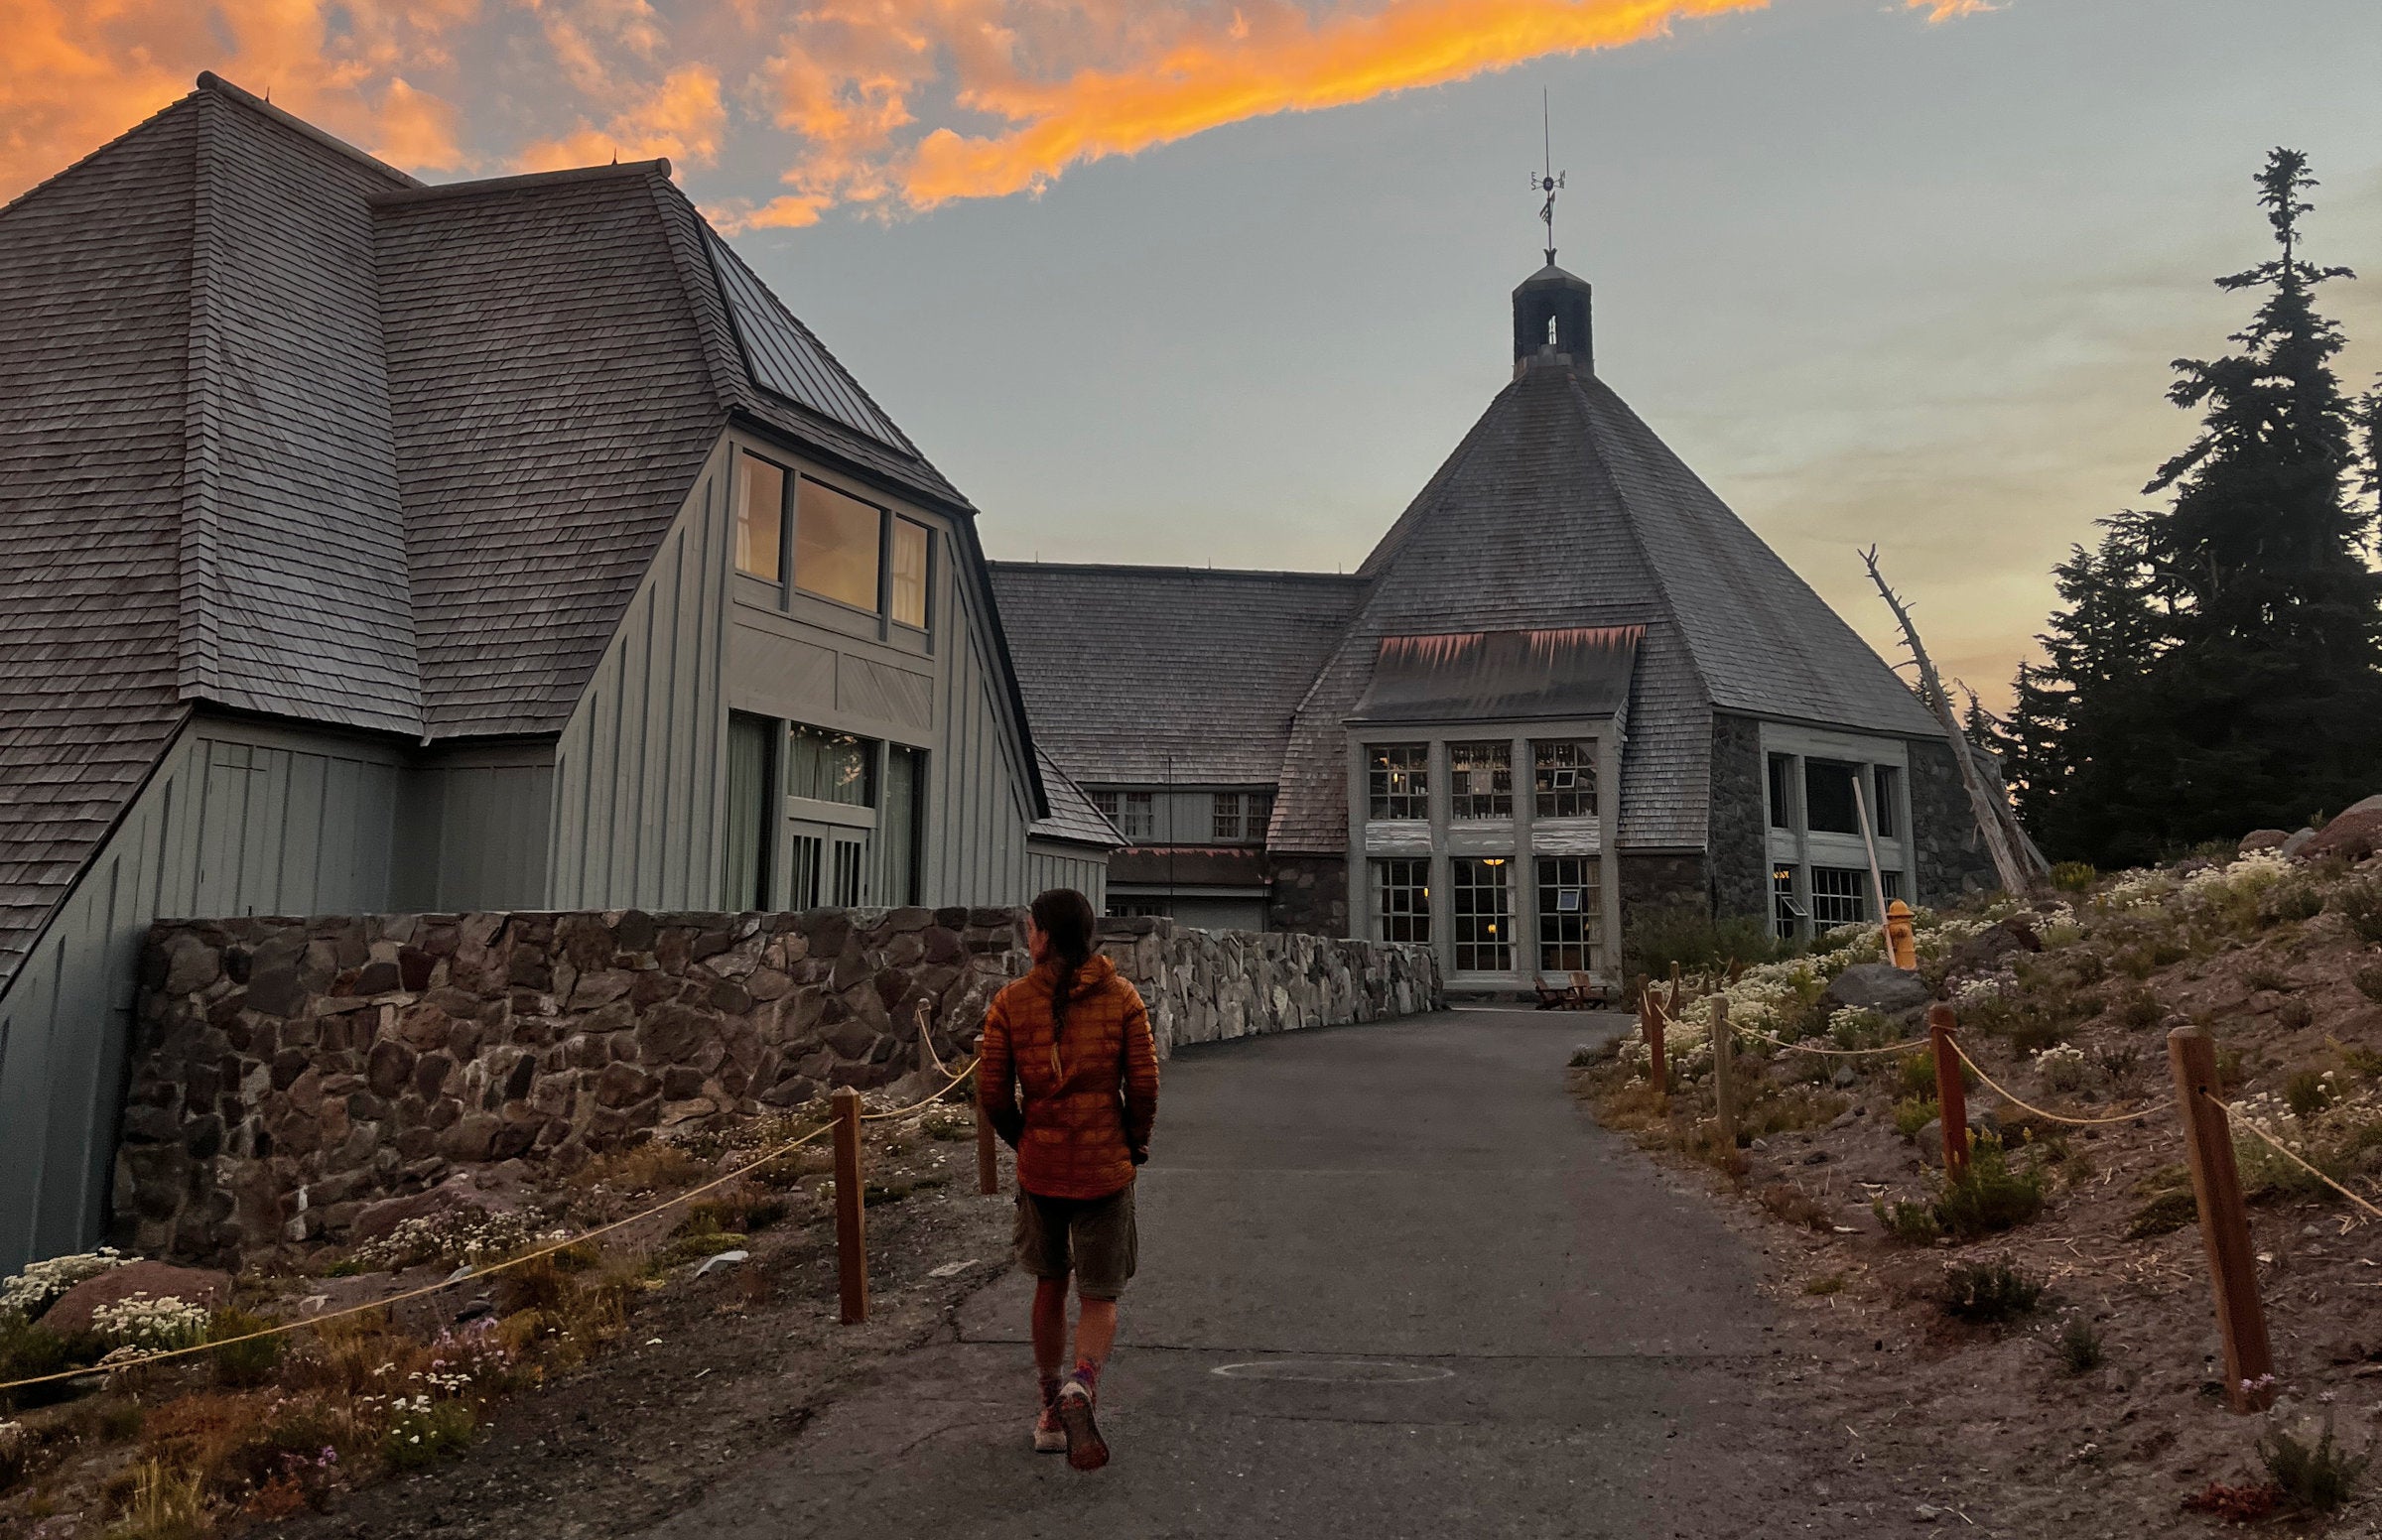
(1093, 1238)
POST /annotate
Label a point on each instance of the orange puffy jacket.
(1090, 1097)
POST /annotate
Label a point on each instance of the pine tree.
(2218, 664)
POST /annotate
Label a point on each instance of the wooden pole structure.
(988, 1159)
(2224, 1222)
(1649, 1018)
(851, 1246)
(1724, 1073)
(2016, 861)
(1951, 1093)
(1868, 840)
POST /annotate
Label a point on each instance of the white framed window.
(1481, 914)
(1568, 914)
(1839, 896)
(1480, 779)
(1563, 774)
(1787, 911)
(1401, 900)
(1399, 777)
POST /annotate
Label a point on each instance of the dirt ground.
(2019, 1444)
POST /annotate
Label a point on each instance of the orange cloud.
(1277, 60)
(682, 118)
(1950, 10)
(75, 74)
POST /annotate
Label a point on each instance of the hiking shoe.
(1086, 1448)
(1049, 1437)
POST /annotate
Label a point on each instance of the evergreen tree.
(2217, 665)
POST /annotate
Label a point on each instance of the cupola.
(1550, 322)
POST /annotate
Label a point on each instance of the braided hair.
(1064, 917)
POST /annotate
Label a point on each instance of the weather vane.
(1548, 180)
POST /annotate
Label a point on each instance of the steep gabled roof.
(289, 433)
(1560, 508)
(1150, 674)
(1072, 817)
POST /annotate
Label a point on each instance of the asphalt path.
(1394, 1281)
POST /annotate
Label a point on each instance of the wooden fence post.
(2224, 1222)
(1649, 1018)
(987, 1160)
(1724, 1073)
(851, 1246)
(1951, 1093)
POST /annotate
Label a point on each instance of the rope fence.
(2279, 1147)
(474, 1274)
(2028, 1106)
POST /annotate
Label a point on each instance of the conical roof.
(1561, 508)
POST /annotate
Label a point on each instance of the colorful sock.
(1050, 1386)
(1088, 1372)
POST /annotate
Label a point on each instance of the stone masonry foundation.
(291, 1070)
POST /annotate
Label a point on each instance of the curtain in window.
(897, 828)
(750, 793)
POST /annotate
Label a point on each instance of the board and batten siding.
(640, 769)
(238, 819)
(640, 774)
(1051, 864)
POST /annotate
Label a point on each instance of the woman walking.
(1074, 1037)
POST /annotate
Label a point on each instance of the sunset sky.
(1190, 283)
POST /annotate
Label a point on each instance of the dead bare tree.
(2016, 859)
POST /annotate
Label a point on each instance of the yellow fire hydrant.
(1900, 938)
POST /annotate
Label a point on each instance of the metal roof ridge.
(213, 82)
(427, 193)
(1147, 569)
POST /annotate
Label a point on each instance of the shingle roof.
(1072, 817)
(1561, 508)
(289, 433)
(94, 327)
(1152, 674)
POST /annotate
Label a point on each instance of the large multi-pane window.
(1134, 813)
(1787, 911)
(904, 817)
(1401, 900)
(837, 543)
(1567, 913)
(751, 808)
(1480, 779)
(1828, 797)
(1782, 791)
(1839, 896)
(1882, 814)
(1241, 816)
(831, 766)
(1401, 780)
(910, 545)
(1563, 775)
(1481, 911)
(760, 519)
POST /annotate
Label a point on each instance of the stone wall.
(290, 1071)
(1952, 859)
(1739, 818)
(1309, 894)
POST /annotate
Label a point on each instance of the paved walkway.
(1394, 1282)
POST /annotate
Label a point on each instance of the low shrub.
(737, 1212)
(2359, 904)
(1912, 1113)
(2063, 1068)
(249, 1362)
(1686, 935)
(2368, 979)
(32, 1291)
(1790, 1205)
(16, 1454)
(2075, 876)
(1824, 1284)
(2265, 974)
(1911, 1224)
(2289, 902)
(2308, 1092)
(2163, 1214)
(1988, 1292)
(2139, 1010)
(2312, 1476)
(424, 1431)
(166, 1504)
(654, 1166)
(457, 1235)
(2295, 1015)
(30, 1351)
(1989, 1197)
(2236, 1504)
(2079, 1347)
